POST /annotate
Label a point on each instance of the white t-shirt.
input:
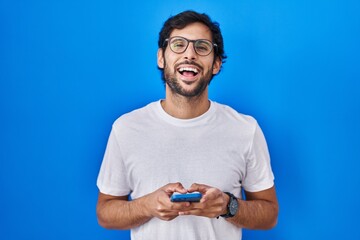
(148, 149)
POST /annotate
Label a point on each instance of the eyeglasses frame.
(214, 45)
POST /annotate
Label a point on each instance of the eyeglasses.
(202, 47)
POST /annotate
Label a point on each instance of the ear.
(160, 58)
(217, 65)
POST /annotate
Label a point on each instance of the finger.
(210, 194)
(196, 205)
(203, 199)
(205, 212)
(195, 212)
(196, 187)
(168, 216)
(175, 187)
(181, 206)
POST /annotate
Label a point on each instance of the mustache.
(189, 63)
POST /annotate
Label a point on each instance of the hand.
(212, 204)
(159, 205)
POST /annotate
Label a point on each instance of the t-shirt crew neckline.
(200, 120)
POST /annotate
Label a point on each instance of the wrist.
(225, 204)
(232, 206)
(143, 206)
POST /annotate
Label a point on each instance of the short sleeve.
(112, 176)
(259, 175)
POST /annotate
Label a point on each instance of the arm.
(116, 212)
(258, 211)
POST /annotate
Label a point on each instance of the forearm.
(255, 214)
(119, 213)
(122, 214)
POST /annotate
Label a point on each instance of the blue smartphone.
(186, 197)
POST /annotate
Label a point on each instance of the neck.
(185, 107)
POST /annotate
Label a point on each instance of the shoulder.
(228, 113)
(136, 116)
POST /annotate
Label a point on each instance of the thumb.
(175, 187)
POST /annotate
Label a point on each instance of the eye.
(177, 44)
(203, 46)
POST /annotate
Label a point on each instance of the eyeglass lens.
(202, 47)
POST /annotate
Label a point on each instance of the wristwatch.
(232, 206)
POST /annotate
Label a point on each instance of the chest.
(209, 156)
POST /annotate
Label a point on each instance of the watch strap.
(232, 198)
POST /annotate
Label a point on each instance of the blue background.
(68, 69)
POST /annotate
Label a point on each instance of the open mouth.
(188, 71)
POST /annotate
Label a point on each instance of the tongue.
(188, 74)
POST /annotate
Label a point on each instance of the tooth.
(188, 69)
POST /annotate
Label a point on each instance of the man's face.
(188, 74)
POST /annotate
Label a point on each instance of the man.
(186, 143)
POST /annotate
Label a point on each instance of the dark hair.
(185, 18)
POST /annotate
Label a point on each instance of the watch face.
(233, 206)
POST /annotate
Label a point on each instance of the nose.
(190, 51)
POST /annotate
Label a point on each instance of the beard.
(174, 84)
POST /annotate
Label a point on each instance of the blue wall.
(68, 69)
